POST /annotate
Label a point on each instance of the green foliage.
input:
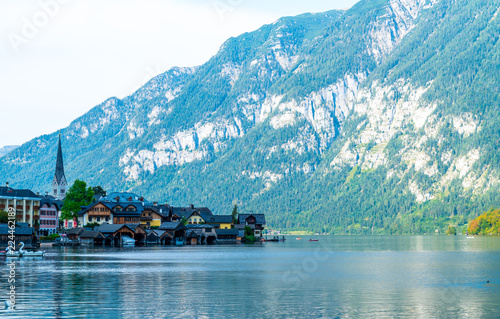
(77, 196)
(51, 237)
(4, 217)
(92, 225)
(98, 190)
(452, 50)
(235, 214)
(486, 224)
(451, 230)
(184, 221)
(249, 237)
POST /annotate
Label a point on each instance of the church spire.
(59, 183)
(59, 163)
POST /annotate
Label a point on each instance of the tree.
(235, 214)
(249, 235)
(4, 217)
(98, 190)
(92, 225)
(451, 230)
(473, 227)
(184, 221)
(77, 196)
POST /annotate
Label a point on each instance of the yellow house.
(195, 218)
(220, 221)
(151, 218)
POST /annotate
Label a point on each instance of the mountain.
(383, 118)
(6, 149)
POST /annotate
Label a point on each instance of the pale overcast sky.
(60, 58)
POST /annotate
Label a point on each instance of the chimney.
(37, 193)
(7, 184)
(155, 203)
(191, 206)
(46, 193)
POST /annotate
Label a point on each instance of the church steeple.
(59, 183)
(59, 163)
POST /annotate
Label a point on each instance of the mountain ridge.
(366, 103)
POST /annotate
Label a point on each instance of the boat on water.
(298, 238)
(126, 240)
(313, 239)
(22, 253)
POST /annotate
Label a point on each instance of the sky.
(60, 58)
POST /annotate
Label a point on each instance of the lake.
(336, 277)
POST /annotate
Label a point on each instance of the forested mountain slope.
(380, 119)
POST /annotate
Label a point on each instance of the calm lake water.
(336, 277)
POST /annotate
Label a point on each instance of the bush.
(451, 230)
(249, 236)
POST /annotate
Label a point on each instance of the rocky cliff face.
(307, 119)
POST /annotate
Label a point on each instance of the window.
(90, 218)
(107, 218)
(98, 219)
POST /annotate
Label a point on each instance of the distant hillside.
(383, 118)
(6, 149)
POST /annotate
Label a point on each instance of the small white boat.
(127, 240)
(470, 237)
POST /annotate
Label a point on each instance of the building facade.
(49, 216)
(24, 201)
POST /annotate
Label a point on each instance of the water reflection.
(337, 277)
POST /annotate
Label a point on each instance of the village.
(118, 218)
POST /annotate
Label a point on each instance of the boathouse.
(175, 233)
(22, 233)
(92, 237)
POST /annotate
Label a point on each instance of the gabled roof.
(218, 219)
(158, 232)
(188, 211)
(75, 231)
(172, 226)
(259, 218)
(193, 234)
(49, 201)
(112, 206)
(112, 228)
(91, 234)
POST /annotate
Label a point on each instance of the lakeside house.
(92, 237)
(219, 221)
(175, 233)
(256, 222)
(50, 209)
(201, 234)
